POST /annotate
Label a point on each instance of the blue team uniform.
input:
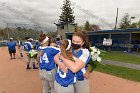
(58, 43)
(84, 55)
(65, 79)
(47, 57)
(40, 48)
(28, 46)
(11, 45)
(37, 45)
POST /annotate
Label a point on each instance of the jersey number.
(60, 74)
(44, 58)
(26, 46)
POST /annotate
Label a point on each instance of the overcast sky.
(46, 12)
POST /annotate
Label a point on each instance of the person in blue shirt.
(80, 49)
(12, 48)
(47, 65)
(28, 48)
(37, 45)
(64, 78)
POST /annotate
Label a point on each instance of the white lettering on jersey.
(44, 58)
(26, 46)
(60, 74)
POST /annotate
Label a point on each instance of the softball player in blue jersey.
(80, 49)
(47, 65)
(64, 79)
(28, 47)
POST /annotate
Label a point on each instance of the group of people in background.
(63, 63)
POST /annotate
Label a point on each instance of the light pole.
(116, 18)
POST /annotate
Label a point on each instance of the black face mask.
(75, 46)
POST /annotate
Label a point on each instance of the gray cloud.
(46, 12)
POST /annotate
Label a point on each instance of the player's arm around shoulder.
(79, 62)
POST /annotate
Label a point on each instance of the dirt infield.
(14, 78)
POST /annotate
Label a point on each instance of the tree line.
(67, 16)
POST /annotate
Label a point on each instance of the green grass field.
(122, 72)
(120, 56)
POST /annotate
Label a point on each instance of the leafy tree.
(94, 27)
(125, 22)
(133, 25)
(3, 33)
(138, 24)
(87, 26)
(19, 28)
(79, 28)
(67, 13)
(52, 34)
(91, 27)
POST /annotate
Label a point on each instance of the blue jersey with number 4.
(47, 58)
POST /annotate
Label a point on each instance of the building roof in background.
(64, 23)
(128, 30)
